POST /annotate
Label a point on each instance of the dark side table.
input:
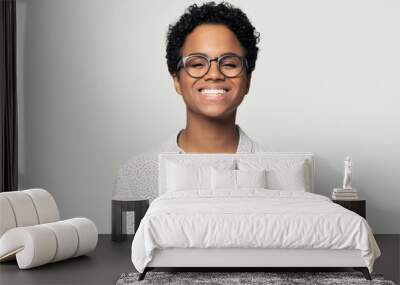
(357, 206)
(118, 216)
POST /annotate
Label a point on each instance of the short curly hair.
(211, 13)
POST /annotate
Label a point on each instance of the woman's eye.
(230, 65)
(196, 65)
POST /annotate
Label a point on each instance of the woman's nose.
(213, 72)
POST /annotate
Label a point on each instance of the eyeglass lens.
(198, 66)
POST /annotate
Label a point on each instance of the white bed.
(193, 224)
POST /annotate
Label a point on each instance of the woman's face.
(212, 40)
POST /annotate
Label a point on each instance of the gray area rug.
(270, 278)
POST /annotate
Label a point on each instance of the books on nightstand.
(344, 194)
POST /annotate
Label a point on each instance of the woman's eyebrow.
(197, 53)
(201, 53)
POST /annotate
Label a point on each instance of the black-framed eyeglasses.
(230, 65)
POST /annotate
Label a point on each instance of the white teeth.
(213, 92)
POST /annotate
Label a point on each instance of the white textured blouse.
(137, 178)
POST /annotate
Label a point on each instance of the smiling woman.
(212, 92)
(211, 53)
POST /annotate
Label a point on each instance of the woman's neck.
(209, 137)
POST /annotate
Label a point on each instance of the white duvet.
(251, 218)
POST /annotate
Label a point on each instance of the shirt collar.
(246, 145)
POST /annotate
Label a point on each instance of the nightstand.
(357, 206)
(118, 220)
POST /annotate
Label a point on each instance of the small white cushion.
(256, 178)
(223, 179)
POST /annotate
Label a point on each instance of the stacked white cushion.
(31, 232)
(282, 174)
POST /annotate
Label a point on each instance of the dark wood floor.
(111, 259)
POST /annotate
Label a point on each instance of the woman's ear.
(177, 84)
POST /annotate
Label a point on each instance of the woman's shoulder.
(139, 163)
(261, 148)
(137, 177)
(149, 158)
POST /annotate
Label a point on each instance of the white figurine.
(347, 173)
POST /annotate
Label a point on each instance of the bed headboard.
(199, 158)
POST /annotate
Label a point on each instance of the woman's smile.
(213, 95)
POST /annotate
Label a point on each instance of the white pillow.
(288, 179)
(185, 175)
(181, 177)
(256, 178)
(282, 174)
(223, 179)
(237, 179)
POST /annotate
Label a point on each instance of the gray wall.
(94, 90)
